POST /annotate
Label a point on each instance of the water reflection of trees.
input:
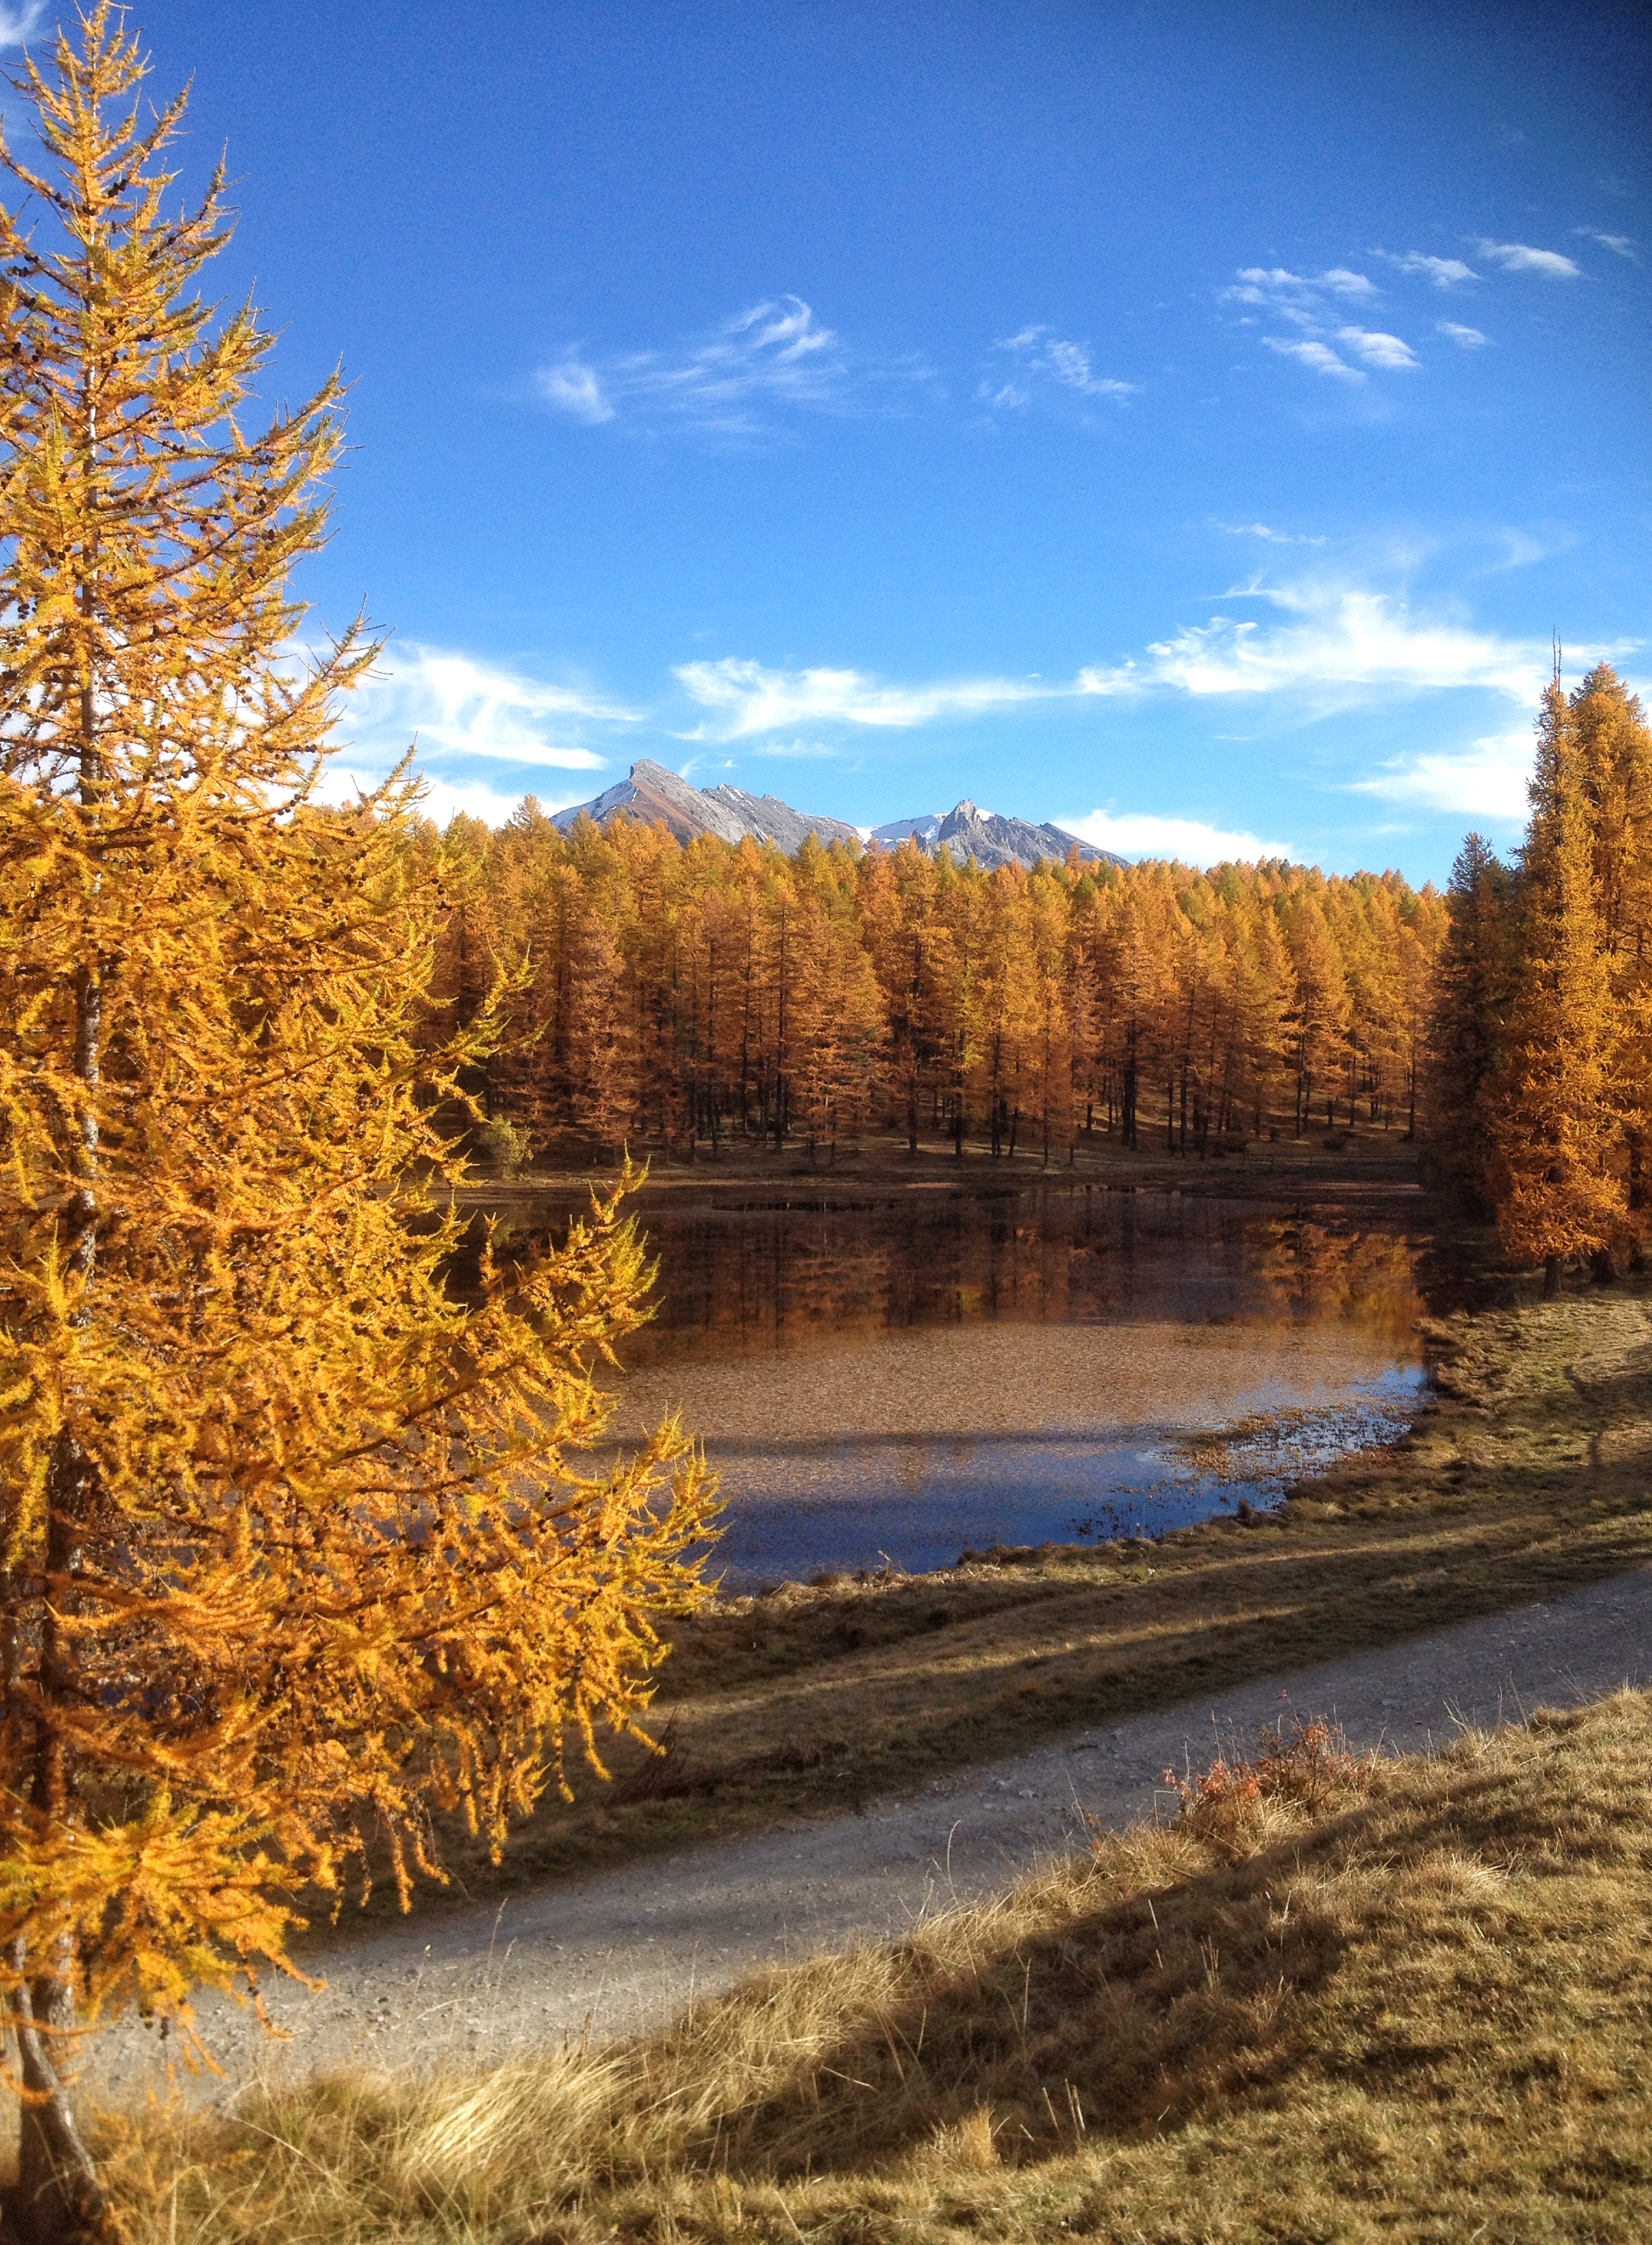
(1315, 1270)
(766, 1272)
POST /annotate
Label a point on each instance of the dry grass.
(1335, 2000)
(1530, 1473)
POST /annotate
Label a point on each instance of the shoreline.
(1525, 1474)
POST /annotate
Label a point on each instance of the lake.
(888, 1381)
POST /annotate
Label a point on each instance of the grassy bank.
(1530, 1472)
(1336, 1999)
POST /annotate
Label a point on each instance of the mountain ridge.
(652, 793)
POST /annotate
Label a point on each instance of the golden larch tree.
(296, 1545)
(1555, 1124)
(1615, 751)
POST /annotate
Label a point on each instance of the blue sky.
(1185, 421)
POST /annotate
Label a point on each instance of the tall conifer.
(1554, 1125)
(296, 1544)
(1466, 1020)
(1615, 753)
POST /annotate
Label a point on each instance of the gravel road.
(624, 1950)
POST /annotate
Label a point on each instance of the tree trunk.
(1552, 1278)
(56, 2198)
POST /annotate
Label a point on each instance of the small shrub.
(503, 1145)
(1304, 1770)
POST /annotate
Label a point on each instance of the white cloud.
(439, 799)
(1444, 272)
(744, 698)
(1277, 289)
(774, 355)
(1336, 647)
(1621, 245)
(1342, 283)
(574, 388)
(1486, 780)
(1045, 357)
(456, 705)
(1319, 357)
(1465, 338)
(16, 24)
(1377, 347)
(1140, 834)
(1521, 257)
(1341, 644)
(1271, 537)
(1302, 300)
(1332, 647)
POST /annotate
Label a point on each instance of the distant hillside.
(651, 792)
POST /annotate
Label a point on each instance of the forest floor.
(1333, 1159)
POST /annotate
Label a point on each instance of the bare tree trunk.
(56, 2198)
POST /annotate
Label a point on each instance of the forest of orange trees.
(686, 998)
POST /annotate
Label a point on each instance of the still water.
(893, 1380)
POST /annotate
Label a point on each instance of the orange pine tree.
(295, 1545)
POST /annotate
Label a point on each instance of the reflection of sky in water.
(915, 1502)
(902, 1378)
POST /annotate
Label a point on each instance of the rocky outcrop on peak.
(967, 832)
(651, 793)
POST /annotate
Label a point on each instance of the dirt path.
(624, 1950)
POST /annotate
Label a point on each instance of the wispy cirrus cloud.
(1189, 841)
(453, 705)
(18, 25)
(1274, 287)
(1486, 780)
(1336, 645)
(1333, 646)
(1317, 306)
(773, 358)
(1377, 348)
(1043, 360)
(1521, 257)
(1465, 338)
(1443, 272)
(1268, 534)
(1317, 355)
(1621, 245)
(743, 698)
